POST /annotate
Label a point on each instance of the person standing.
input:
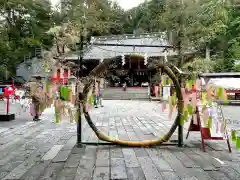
(101, 86)
(96, 93)
(36, 93)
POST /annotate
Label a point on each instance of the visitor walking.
(96, 93)
(36, 94)
(125, 86)
(101, 85)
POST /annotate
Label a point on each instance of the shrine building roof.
(104, 47)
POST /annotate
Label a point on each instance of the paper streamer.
(170, 112)
(185, 97)
(57, 115)
(163, 81)
(182, 120)
(174, 99)
(187, 85)
(190, 109)
(190, 84)
(215, 92)
(205, 117)
(96, 90)
(234, 135)
(225, 97)
(195, 121)
(209, 94)
(217, 127)
(169, 81)
(76, 115)
(170, 107)
(156, 90)
(194, 100)
(186, 115)
(210, 122)
(220, 93)
(238, 142)
(198, 84)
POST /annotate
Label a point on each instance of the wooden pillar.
(150, 78)
(150, 83)
(138, 63)
(161, 89)
(131, 73)
(132, 81)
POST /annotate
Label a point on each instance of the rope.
(157, 141)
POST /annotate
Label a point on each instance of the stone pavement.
(46, 151)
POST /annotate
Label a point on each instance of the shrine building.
(135, 51)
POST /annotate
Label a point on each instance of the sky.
(126, 4)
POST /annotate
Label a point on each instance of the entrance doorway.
(140, 79)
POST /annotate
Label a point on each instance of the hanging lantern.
(165, 56)
(145, 59)
(123, 59)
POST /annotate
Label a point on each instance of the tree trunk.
(207, 53)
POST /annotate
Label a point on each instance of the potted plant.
(116, 80)
(113, 79)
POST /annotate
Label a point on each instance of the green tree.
(23, 27)
(99, 17)
(199, 65)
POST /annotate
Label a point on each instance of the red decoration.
(156, 89)
(58, 78)
(58, 75)
(8, 91)
(65, 76)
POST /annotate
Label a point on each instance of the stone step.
(131, 93)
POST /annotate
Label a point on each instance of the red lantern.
(9, 91)
(65, 76)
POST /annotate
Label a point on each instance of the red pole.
(8, 104)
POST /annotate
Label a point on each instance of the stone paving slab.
(46, 151)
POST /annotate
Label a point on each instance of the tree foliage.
(23, 26)
(192, 24)
(196, 26)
